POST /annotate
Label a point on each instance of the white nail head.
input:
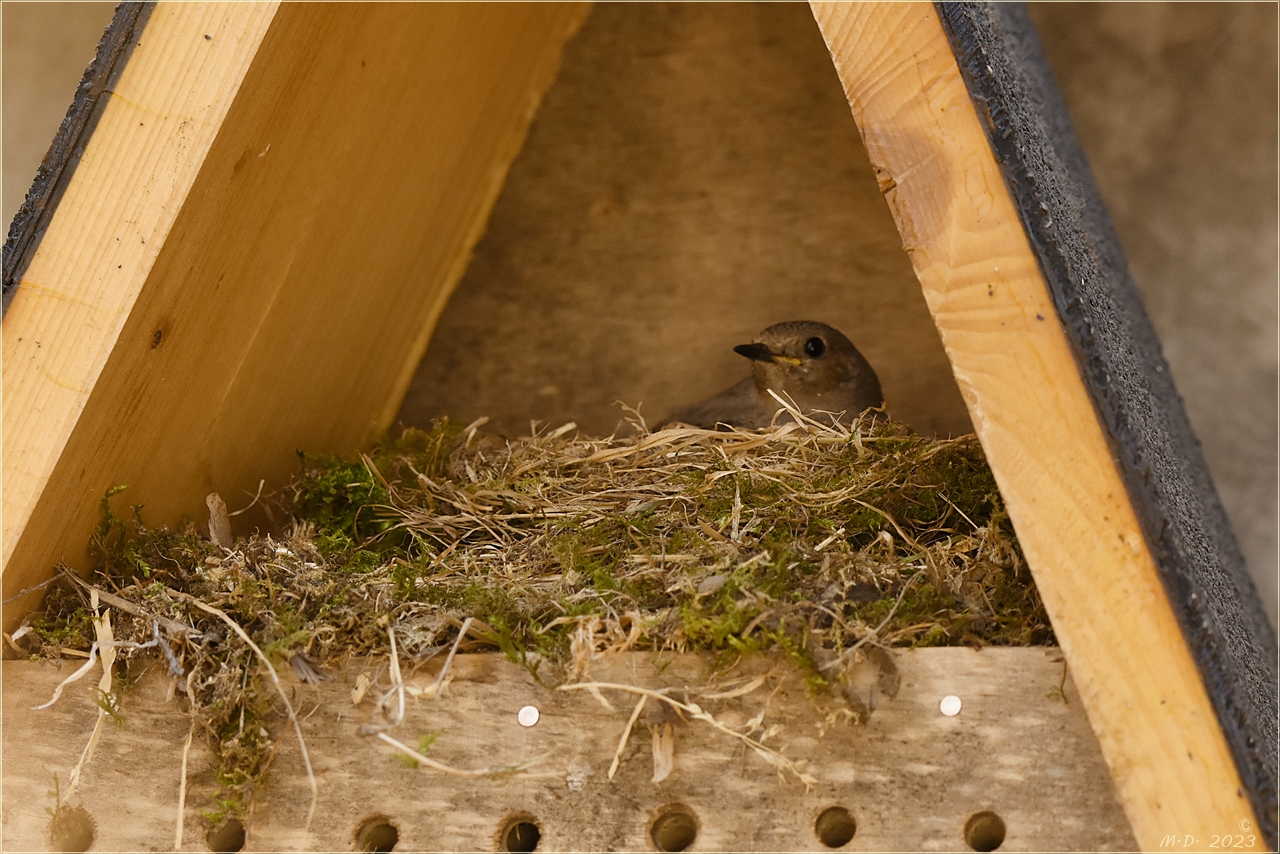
(528, 716)
(950, 705)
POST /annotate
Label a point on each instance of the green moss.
(424, 744)
(62, 625)
(342, 498)
(802, 545)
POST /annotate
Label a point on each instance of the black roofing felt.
(68, 144)
(1199, 561)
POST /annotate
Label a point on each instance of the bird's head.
(812, 362)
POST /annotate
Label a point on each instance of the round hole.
(520, 833)
(674, 829)
(227, 837)
(376, 834)
(72, 829)
(984, 831)
(835, 827)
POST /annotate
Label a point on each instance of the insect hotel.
(815, 636)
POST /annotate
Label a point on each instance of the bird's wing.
(736, 406)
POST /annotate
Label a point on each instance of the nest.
(825, 543)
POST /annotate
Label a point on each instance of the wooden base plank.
(1173, 770)
(911, 778)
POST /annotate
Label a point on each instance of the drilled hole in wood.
(984, 831)
(376, 834)
(835, 827)
(519, 833)
(227, 837)
(72, 829)
(675, 828)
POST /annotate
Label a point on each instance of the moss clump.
(802, 539)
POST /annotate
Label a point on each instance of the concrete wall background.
(694, 175)
(46, 49)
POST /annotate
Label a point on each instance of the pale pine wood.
(1173, 770)
(910, 777)
(253, 252)
(163, 112)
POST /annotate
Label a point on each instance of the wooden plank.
(165, 108)
(1174, 771)
(1206, 580)
(910, 778)
(251, 255)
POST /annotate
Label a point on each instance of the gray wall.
(46, 49)
(694, 175)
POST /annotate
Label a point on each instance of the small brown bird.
(810, 362)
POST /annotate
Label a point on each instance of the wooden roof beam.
(1074, 405)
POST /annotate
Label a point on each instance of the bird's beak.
(762, 353)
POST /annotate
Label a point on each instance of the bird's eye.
(815, 347)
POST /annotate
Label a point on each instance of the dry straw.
(817, 541)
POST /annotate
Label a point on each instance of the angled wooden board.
(272, 209)
(1196, 555)
(1172, 744)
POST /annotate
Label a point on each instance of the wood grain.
(1146, 701)
(910, 777)
(164, 110)
(271, 213)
